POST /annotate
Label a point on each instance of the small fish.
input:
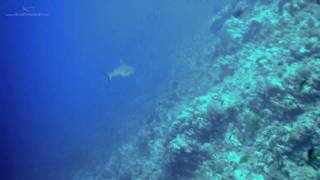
(123, 70)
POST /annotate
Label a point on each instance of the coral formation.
(252, 111)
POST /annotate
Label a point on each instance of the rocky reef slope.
(249, 110)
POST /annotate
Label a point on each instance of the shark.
(122, 70)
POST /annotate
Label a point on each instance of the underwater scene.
(160, 90)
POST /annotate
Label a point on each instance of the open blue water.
(58, 112)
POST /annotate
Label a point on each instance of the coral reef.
(250, 111)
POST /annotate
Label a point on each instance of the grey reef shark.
(122, 70)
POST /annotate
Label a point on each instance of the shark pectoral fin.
(109, 77)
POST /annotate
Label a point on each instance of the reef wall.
(249, 109)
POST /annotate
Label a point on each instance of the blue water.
(58, 113)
